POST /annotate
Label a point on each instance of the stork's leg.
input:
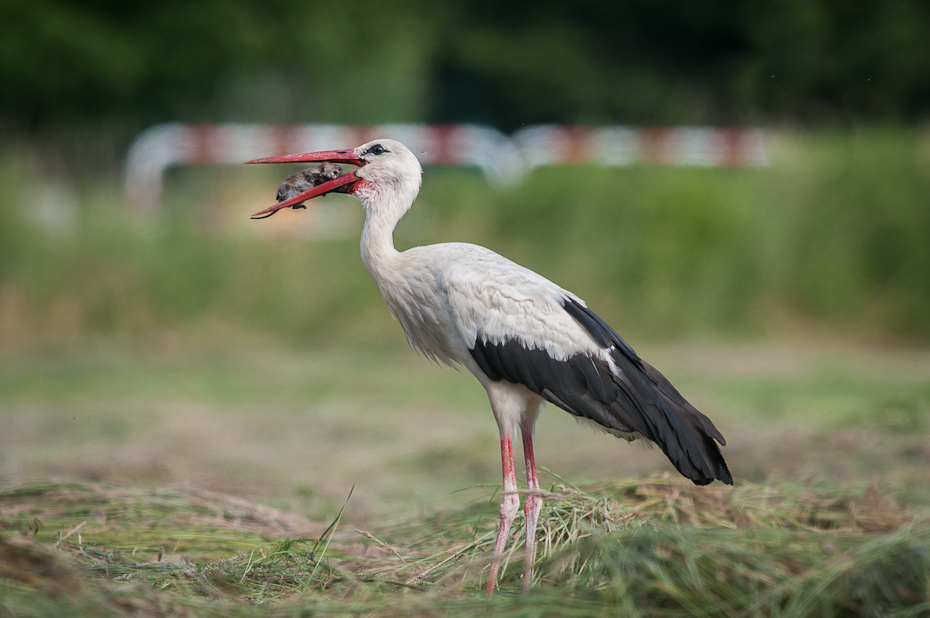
(510, 504)
(533, 503)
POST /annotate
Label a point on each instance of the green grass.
(830, 236)
(296, 427)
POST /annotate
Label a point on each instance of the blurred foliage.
(634, 61)
(213, 60)
(833, 235)
(834, 232)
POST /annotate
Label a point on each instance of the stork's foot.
(531, 508)
(509, 507)
(510, 504)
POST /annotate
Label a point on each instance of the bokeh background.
(194, 347)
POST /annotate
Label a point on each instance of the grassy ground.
(644, 547)
(828, 444)
(298, 427)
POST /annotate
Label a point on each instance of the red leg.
(531, 507)
(510, 504)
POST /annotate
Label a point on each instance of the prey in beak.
(327, 177)
(307, 179)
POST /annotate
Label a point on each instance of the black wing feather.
(639, 399)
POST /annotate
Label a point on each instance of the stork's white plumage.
(527, 340)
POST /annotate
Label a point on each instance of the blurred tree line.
(504, 63)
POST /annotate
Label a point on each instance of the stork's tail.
(687, 437)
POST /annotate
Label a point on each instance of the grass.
(294, 428)
(640, 547)
(201, 477)
(831, 235)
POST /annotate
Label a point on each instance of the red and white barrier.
(504, 160)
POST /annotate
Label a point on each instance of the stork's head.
(387, 177)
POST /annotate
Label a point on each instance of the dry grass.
(652, 546)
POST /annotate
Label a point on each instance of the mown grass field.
(203, 481)
(186, 402)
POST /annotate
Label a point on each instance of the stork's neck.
(378, 243)
(383, 210)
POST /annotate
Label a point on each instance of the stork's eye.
(377, 149)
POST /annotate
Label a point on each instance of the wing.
(493, 299)
(522, 328)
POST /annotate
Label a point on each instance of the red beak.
(343, 184)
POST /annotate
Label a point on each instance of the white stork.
(527, 340)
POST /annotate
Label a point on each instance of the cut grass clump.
(718, 572)
(639, 547)
(269, 572)
(150, 524)
(571, 517)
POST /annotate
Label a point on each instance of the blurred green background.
(832, 236)
(126, 320)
